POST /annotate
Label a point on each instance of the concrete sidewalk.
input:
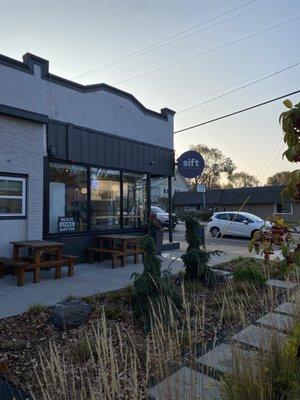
(88, 280)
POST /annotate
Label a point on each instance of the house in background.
(264, 201)
(159, 187)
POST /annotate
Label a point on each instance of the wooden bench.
(114, 252)
(14, 263)
(21, 268)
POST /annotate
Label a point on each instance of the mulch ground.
(24, 336)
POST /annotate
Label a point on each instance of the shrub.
(36, 308)
(249, 273)
(195, 259)
(196, 268)
(82, 350)
(153, 288)
(201, 215)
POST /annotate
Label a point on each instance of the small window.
(286, 208)
(12, 196)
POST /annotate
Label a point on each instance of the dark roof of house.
(253, 195)
(188, 198)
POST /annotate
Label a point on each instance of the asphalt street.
(179, 236)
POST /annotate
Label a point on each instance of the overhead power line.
(165, 41)
(164, 67)
(237, 112)
(240, 88)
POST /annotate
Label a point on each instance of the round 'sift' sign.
(190, 164)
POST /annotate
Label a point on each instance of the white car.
(236, 224)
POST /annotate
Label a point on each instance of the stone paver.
(186, 384)
(286, 308)
(277, 283)
(258, 336)
(277, 321)
(221, 357)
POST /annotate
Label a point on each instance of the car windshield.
(157, 210)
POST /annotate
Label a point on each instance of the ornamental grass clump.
(153, 288)
(249, 272)
(196, 260)
(267, 375)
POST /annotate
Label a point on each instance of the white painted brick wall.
(21, 152)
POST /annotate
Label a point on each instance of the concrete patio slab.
(186, 384)
(286, 308)
(277, 321)
(259, 337)
(88, 280)
(221, 357)
(277, 283)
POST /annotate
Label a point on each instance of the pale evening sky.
(77, 37)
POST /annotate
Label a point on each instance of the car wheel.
(215, 232)
(253, 233)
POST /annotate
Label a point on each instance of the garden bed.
(208, 317)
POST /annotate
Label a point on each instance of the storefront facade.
(76, 160)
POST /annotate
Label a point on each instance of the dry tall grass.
(108, 365)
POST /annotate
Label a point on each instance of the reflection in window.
(105, 199)
(67, 198)
(134, 200)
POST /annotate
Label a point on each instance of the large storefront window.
(67, 198)
(134, 200)
(105, 199)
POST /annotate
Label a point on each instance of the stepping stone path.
(220, 358)
(258, 336)
(186, 384)
(277, 283)
(277, 321)
(286, 308)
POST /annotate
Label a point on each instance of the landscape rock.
(70, 314)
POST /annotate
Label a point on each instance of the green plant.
(82, 350)
(249, 273)
(191, 236)
(153, 288)
(196, 268)
(273, 375)
(71, 297)
(36, 308)
(279, 234)
(195, 259)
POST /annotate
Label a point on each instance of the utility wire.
(163, 42)
(240, 88)
(236, 112)
(200, 95)
(164, 67)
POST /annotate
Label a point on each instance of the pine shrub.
(153, 291)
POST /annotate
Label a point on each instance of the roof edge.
(27, 66)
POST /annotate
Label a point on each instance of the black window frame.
(90, 232)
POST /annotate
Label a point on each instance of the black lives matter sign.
(66, 224)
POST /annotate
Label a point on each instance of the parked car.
(163, 216)
(236, 224)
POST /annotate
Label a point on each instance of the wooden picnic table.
(123, 249)
(38, 247)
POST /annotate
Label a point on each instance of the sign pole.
(170, 209)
